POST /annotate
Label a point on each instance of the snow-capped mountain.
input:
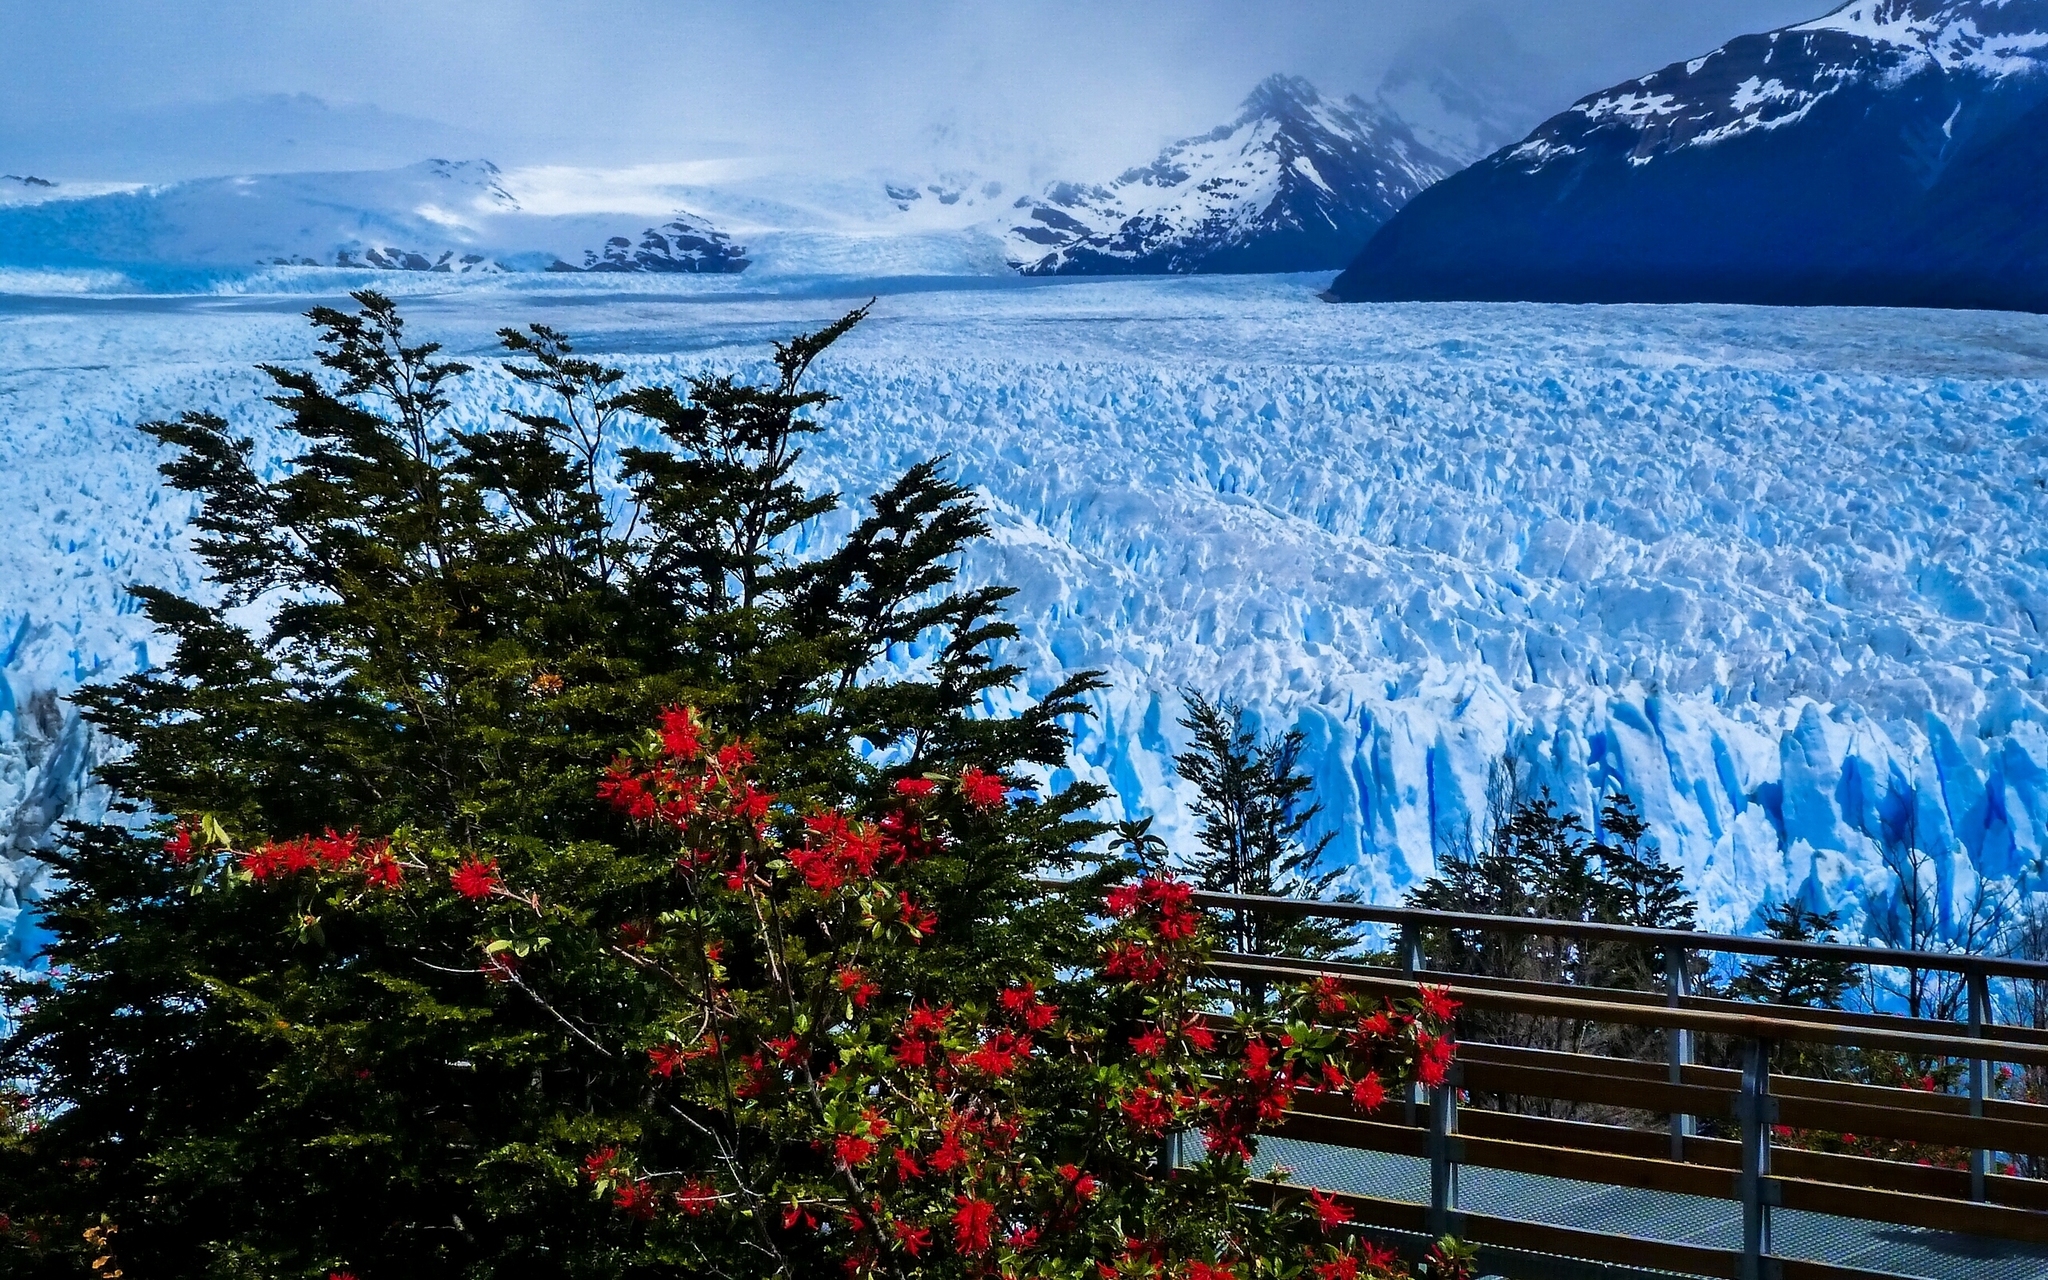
(1296, 183)
(439, 216)
(1842, 160)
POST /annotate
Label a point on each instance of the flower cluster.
(935, 1114)
(330, 852)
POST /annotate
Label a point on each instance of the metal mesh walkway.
(1658, 1215)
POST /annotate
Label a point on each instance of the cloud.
(1080, 87)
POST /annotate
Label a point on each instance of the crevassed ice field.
(1780, 575)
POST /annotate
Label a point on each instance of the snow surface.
(1779, 574)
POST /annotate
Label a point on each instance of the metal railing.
(1750, 1169)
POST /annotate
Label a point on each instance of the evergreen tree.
(1540, 861)
(1798, 980)
(1251, 798)
(1807, 982)
(461, 628)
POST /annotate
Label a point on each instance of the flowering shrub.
(821, 1092)
(820, 1089)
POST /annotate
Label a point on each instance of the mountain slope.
(1866, 157)
(441, 215)
(1296, 183)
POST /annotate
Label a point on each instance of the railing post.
(1753, 1109)
(1678, 1040)
(1980, 1075)
(1410, 955)
(1411, 950)
(1443, 1170)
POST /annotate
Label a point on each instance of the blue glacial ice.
(1778, 574)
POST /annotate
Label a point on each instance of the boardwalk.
(1846, 1242)
(1743, 1172)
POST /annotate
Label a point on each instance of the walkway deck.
(1846, 1242)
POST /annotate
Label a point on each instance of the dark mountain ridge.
(1891, 153)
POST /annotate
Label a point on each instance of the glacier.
(1779, 574)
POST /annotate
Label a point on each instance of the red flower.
(1258, 1061)
(601, 1163)
(1133, 963)
(998, 1054)
(982, 790)
(380, 869)
(1329, 1213)
(179, 846)
(973, 1222)
(796, 1215)
(696, 1196)
(857, 987)
(1437, 1003)
(1342, 1267)
(1368, 1092)
(785, 1048)
(627, 792)
(1200, 1270)
(916, 788)
(682, 738)
(1148, 1110)
(850, 1151)
(341, 1275)
(335, 850)
(950, 1154)
(1198, 1034)
(920, 921)
(1083, 1183)
(263, 861)
(1151, 1044)
(1432, 1059)
(635, 1200)
(911, 1237)
(1381, 1257)
(1122, 900)
(1022, 1000)
(475, 877)
(663, 1059)
(913, 1052)
(907, 1166)
(499, 966)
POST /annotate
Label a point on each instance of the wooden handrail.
(1691, 940)
(1624, 995)
(1742, 1026)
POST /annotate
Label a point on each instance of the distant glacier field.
(1780, 575)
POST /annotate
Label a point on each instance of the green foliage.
(1539, 861)
(1251, 797)
(459, 629)
(1798, 980)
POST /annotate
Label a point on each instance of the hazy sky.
(1084, 85)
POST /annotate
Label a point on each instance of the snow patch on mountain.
(1989, 37)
